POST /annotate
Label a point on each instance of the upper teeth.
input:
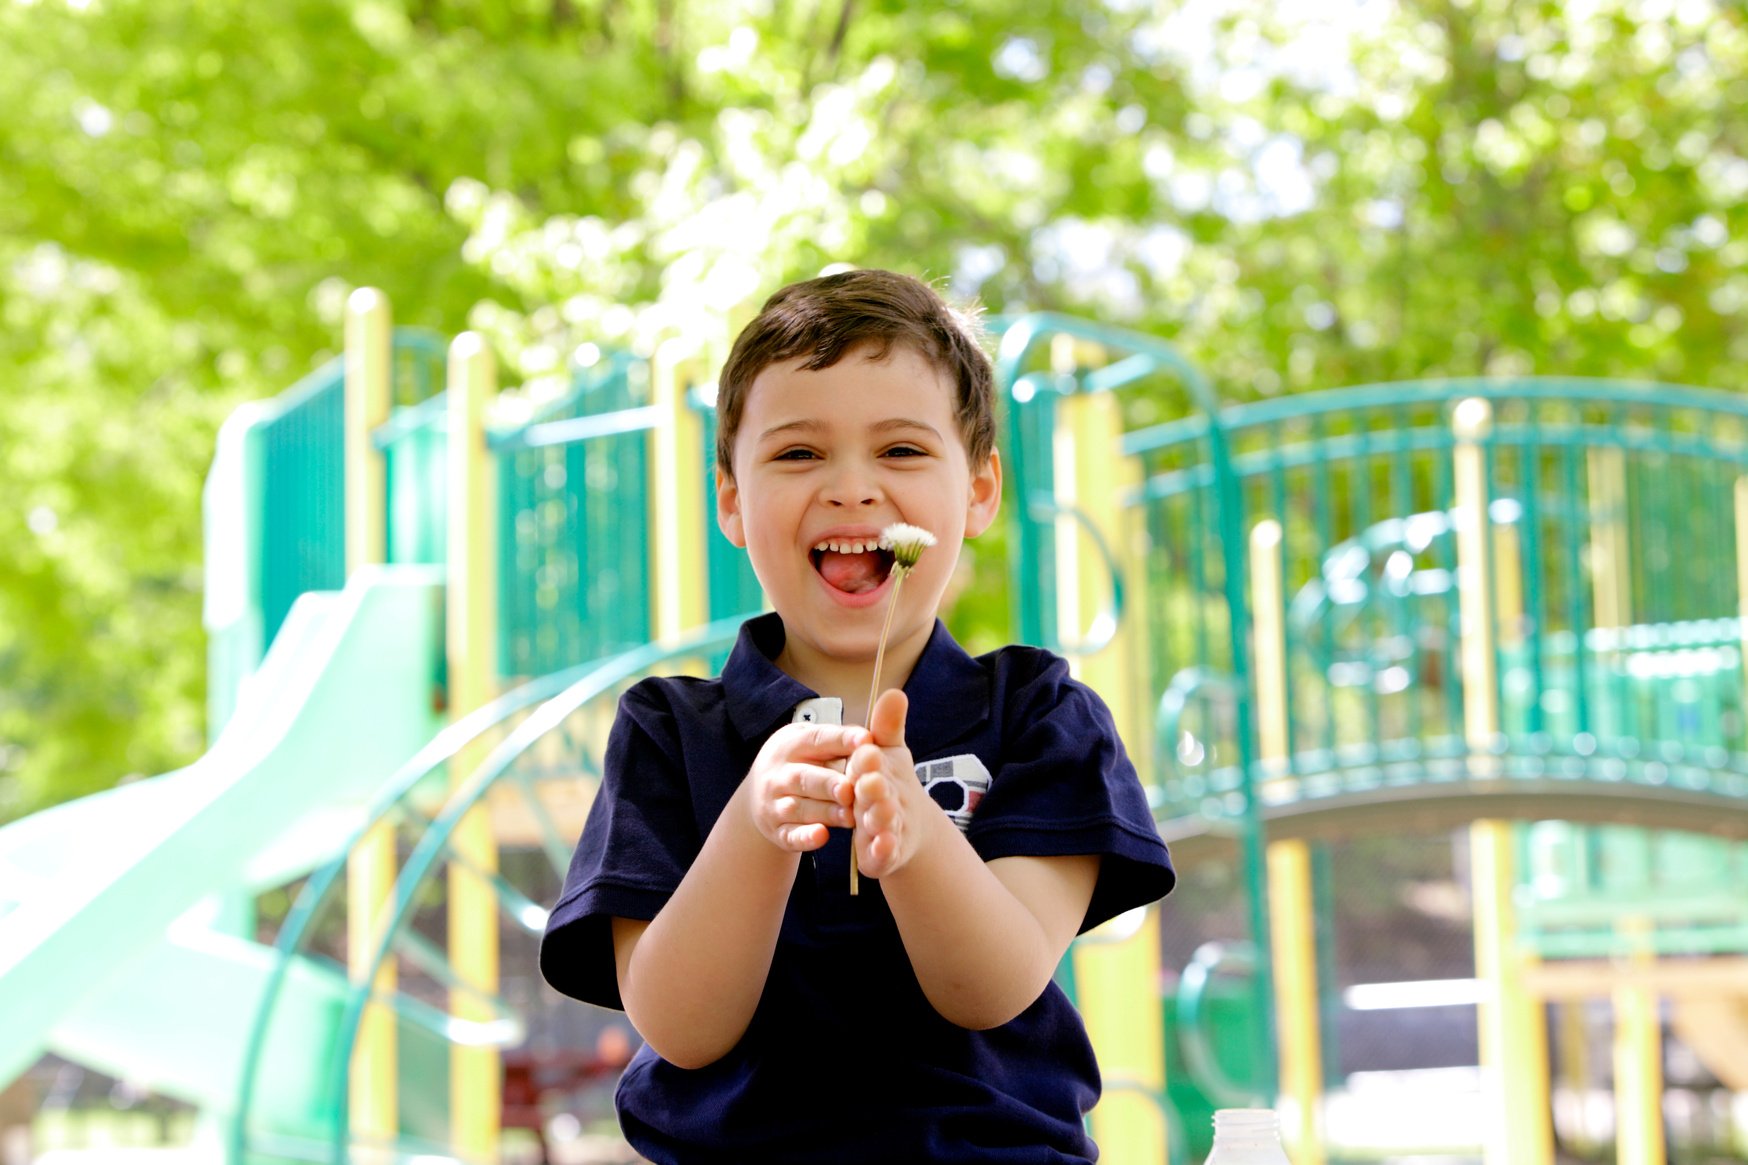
(842, 547)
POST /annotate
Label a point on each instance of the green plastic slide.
(112, 945)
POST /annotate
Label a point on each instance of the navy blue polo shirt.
(893, 1081)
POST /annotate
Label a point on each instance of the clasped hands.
(797, 789)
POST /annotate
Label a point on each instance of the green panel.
(303, 505)
(302, 450)
(573, 544)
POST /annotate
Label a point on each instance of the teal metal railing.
(1361, 481)
(301, 452)
(573, 524)
(300, 444)
(546, 740)
(1619, 669)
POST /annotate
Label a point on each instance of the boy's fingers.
(887, 720)
(870, 788)
(806, 811)
(879, 815)
(826, 741)
(802, 837)
(879, 850)
(816, 783)
(866, 759)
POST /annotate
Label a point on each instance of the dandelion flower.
(907, 544)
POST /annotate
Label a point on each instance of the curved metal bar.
(442, 749)
(1192, 1035)
(1396, 394)
(1416, 439)
(1024, 334)
(1429, 784)
(600, 680)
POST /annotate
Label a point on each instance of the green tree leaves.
(1298, 196)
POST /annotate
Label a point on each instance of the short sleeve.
(1065, 785)
(638, 841)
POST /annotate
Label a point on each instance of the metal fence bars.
(545, 742)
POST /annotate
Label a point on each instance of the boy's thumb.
(887, 722)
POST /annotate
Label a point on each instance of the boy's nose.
(850, 488)
(852, 498)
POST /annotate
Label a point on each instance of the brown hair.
(821, 319)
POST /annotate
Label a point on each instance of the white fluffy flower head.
(906, 542)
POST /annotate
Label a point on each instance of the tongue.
(854, 573)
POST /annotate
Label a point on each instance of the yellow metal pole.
(1116, 977)
(1638, 1034)
(1269, 629)
(1611, 557)
(1116, 970)
(1473, 420)
(475, 1072)
(368, 373)
(1638, 1058)
(1292, 910)
(370, 868)
(1508, 584)
(1513, 1035)
(676, 480)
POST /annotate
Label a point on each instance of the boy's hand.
(889, 800)
(797, 788)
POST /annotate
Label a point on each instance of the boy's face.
(826, 459)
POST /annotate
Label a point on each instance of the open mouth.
(854, 567)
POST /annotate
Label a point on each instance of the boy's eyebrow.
(886, 426)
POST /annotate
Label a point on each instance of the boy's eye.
(905, 451)
(794, 455)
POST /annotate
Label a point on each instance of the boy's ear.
(728, 509)
(985, 496)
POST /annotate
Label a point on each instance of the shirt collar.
(948, 690)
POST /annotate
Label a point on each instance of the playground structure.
(1504, 606)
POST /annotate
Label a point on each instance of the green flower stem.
(898, 573)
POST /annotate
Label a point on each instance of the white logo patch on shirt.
(819, 710)
(956, 784)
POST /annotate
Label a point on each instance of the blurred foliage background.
(1298, 195)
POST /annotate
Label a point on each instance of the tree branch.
(838, 34)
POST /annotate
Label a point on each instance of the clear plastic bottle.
(1247, 1136)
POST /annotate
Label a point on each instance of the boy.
(995, 813)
